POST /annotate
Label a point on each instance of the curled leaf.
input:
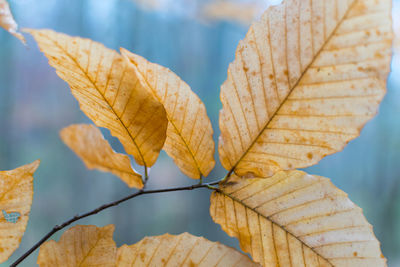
(7, 21)
(16, 193)
(81, 245)
(190, 135)
(306, 78)
(109, 92)
(180, 250)
(296, 219)
(89, 144)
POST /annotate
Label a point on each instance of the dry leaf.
(16, 193)
(241, 12)
(89, 144)
(81, 245)
(305, 80)
(181, 250)
(296, 219)
(7, 21)
(108, 92)
(189, 136)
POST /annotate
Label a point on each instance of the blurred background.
(197, 40)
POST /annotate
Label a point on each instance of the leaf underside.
(108, 91)
(89, 144)
(306, 78)
(296, 219)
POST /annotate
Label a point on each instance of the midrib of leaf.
(170, 119)
(104, 98)
(293, 87)
(89, 252)
(273, 222)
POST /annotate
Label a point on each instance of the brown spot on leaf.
(309, 155)
(378, 55)
(142, 256)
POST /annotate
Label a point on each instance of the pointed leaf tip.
(7, 21)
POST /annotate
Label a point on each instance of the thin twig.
(103, 207)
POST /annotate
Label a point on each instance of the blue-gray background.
(35, 105)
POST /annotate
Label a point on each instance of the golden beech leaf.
(296, 219)
(306, 78)
(7, 21)
(108, 92)
(81, 245)
(190, 135)
(180, 250)
(16, 193)
(241, 12)
(89, 144)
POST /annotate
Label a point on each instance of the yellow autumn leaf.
(306, 78)
(7, 20)
(296, 219)
(190, 135)
(180, 250)
(81, 245)
(16, 193)
(241, 12)
(89, 144)
(108, 92)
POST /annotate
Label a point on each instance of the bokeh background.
(35, 105)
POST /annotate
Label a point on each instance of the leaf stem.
(201, 180)
(146, 176)
(106, 206)
(227, 176)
